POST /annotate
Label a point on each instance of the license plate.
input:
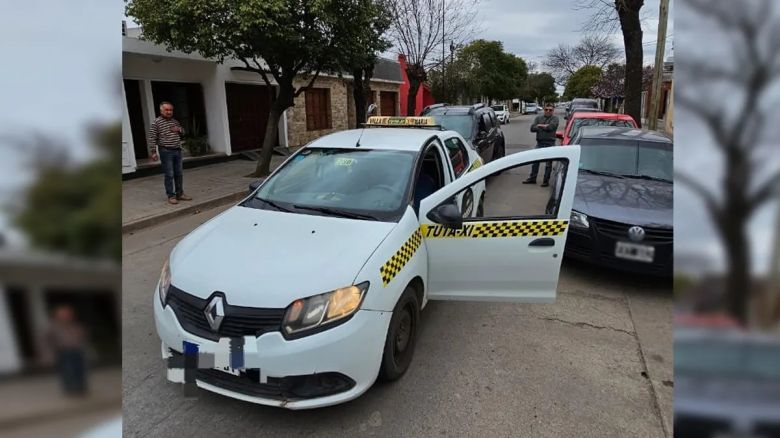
(636, 252)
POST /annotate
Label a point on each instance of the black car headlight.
(579, 220)
(310, 315)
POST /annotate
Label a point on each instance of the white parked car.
(531, 108)
(502, 113)
(311, 288)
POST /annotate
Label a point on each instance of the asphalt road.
(597, 363)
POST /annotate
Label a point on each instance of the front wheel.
(401, 337)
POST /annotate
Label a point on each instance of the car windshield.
(462, 124)
(626, 157)
(497, 107)
(727, 359)
(579, 123)
(340, 182)
(585, 104)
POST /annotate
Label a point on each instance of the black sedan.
(622, 212)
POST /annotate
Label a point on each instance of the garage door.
(248, 109)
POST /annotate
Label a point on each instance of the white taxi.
(311, 288)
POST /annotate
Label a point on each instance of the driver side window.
(431, 176)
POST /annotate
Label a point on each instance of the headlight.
(165, 282)
(324, 309)
(579, 220)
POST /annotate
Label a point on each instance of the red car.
(580, 119)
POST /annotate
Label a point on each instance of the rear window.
(577, 124)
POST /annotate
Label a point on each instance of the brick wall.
(342, 108)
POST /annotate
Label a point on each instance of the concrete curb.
(177, 212)
(71, 410)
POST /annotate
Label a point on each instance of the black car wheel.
(401, 337)
(481, 206)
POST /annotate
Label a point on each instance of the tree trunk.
(416, 75)
(361, 90)
(628, 12)
(739, 281)
(283, 101)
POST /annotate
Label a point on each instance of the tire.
(401, 337)
(481, 206)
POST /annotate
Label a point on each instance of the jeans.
(171, 163)
(71, 364)
(547, 165)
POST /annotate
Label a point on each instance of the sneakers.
(173, 200)
(529, 181)
(183, 197)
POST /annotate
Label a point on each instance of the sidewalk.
(144, 202)
(30, 400)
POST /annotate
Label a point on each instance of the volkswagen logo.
(215, 312)
(637, 234)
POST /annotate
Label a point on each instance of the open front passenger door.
(513, 250)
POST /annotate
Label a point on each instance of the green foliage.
(79, 210)
(540, 88)
(582, 81)
(484, 69)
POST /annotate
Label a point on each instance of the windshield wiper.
(596, 172)
(275, 205)
(649, 177)
(337, 212)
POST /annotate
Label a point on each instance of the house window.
(318, 109)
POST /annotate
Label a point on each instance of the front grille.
(699, 427)
(238, 321)
(278, 388)
(619, 231)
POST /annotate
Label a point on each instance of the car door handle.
(545, 241)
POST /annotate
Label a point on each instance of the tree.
(420, 27)
(749, 75)
(361, 57)
(491, 72)
(564, 60)
(626, 12)
(77, 209)
(582, 81)
(280, 40)
(540, 88)
(611, 86)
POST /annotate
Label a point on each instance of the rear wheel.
(481, 206)
(401, 336)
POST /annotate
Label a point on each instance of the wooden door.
(248, 110)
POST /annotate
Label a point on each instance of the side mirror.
(371, 111)
(255, 184)
(559, 134)
(448, 215)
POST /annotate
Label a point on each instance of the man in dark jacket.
(544, 126)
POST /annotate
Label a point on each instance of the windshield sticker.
(299, 157)
(345, 162)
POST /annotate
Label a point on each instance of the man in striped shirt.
(165, 137)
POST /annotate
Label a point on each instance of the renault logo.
(215, 312)
(637, 234)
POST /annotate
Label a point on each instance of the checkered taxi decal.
(542, 228)
(393, 266)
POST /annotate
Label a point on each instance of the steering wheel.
(385, 187)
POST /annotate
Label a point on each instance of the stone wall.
(342, 108)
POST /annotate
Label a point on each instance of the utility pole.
(655, 97)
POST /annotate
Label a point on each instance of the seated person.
(425, 187)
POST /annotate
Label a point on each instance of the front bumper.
(279, 372)
(592, 246)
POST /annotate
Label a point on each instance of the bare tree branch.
(593, 49)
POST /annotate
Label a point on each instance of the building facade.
(228, 106)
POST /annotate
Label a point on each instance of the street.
(597, 363)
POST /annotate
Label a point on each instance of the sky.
(61, 71)
(531, 28)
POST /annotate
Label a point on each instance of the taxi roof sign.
(402, 121)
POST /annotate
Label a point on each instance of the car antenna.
(369, 111)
